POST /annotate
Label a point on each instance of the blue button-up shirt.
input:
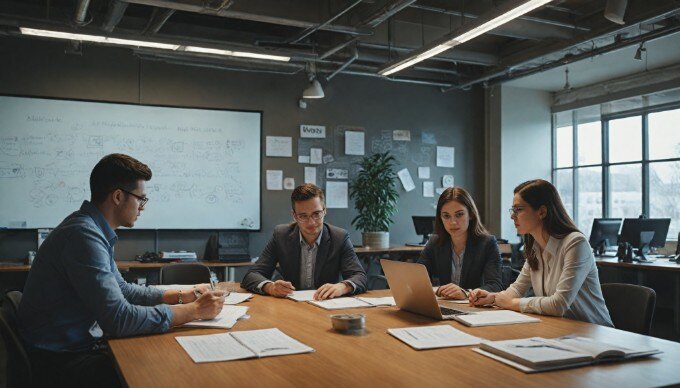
(75, 294)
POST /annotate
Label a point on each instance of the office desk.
(377, 358)
(400, 249)
(659, 265)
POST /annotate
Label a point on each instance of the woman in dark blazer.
(461, 254)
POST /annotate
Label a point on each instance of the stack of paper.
(302, 296)
(240, 345)
(492, 318)
(384, 301)
(340, 303)
(432, 337)
(226, 319)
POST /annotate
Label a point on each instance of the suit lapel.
(293, 254)
(322, 254)
(470, 253)
(444, 257)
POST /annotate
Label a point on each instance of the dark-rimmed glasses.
(316, 216)
(142, 200)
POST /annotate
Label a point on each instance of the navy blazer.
(481, 262)
(335, 257)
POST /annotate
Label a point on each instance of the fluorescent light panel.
(466, 36)
(141, 43)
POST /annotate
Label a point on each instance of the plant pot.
(376, 239)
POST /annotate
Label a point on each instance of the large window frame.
(605, 164)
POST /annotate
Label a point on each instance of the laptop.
(412, 290)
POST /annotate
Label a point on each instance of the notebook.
(240, 345)
(493, 318)
(541, 354)
(433, 337)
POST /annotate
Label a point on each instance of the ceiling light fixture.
(640, 50)
(501, 15)
(314, 89)
(145, 43)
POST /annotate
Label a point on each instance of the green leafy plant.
(374, 193)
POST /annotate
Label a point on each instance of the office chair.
(18, 365)
(190, 273)
(14, 298)
(630, 306)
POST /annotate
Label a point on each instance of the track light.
(639, 51)
(314, 89)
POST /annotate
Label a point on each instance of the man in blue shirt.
(75, 296)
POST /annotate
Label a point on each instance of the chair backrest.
(630, 306)
(184, 273)
(18, 365)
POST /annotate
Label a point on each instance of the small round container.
(349, 323)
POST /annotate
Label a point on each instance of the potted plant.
(375, 197)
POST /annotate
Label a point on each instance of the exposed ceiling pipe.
(158, 19)
(179, 61)
(338, 48)
(452, 56)
(81, 13)
(355, 55)
(114, 14)
(400, 79)
(388, 11)
(312, 30)
(193, 6)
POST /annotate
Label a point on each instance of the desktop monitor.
(605, 233)
(644, 233)
(424, 226)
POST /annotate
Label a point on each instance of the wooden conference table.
(376, 358)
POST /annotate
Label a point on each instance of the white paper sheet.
(270, 342)
(279, 146)
(401, 135)
(274, 180)
(289, 183)
(384, 301)
(406, 180)
(445, 156)
(214, 347)
(310, 175)
(430, 337)
(304, 159)
(354, 143)
(302, 295)
(340, 303)
(428, 189)
(336, 195)
(424, 172)
(313, 131)
(315, 155)
(237, 297)
(226, 319)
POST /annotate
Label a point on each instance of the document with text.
(432, 337)
(226, 319)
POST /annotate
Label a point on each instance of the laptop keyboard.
(450, 311)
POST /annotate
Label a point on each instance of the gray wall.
(41, 69)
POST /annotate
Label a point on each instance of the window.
(625, 165)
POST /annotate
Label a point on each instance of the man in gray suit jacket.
(310, 253)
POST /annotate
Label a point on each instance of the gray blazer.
(335, 257)
(481, 263)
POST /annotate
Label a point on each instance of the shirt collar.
(552, 245)
(88, 208)
(316, 242)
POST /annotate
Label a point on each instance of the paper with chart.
(301, 296)
(406, 180)
(432, 337)
(340, 303)
(336, 195)
(279, 146)
(226, 319)
(445, 156)
(240, 345)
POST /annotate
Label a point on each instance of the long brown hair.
(557, 223)
(461, 196)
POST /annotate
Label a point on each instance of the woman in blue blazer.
(461, 254)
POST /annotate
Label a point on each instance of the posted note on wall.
(315, 155)
(428, 189)
(354, 143)
(310, 175)
(406, 180)
(313, 131)
(289, 183)
(279, 146)
(445, 156)
(336, 195)
(401, 135)
(274, 180)
(424, 172)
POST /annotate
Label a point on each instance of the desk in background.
(659, 265)
(377, 358)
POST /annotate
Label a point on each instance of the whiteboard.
(205, 163)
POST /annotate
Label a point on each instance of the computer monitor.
(605, 233)
(424, 226)
(644, 233)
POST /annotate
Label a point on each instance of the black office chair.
(630, 306)
(18, 365)
(184, 273)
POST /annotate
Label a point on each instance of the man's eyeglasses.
(142, 200)
(515, 210)
(316, 216)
